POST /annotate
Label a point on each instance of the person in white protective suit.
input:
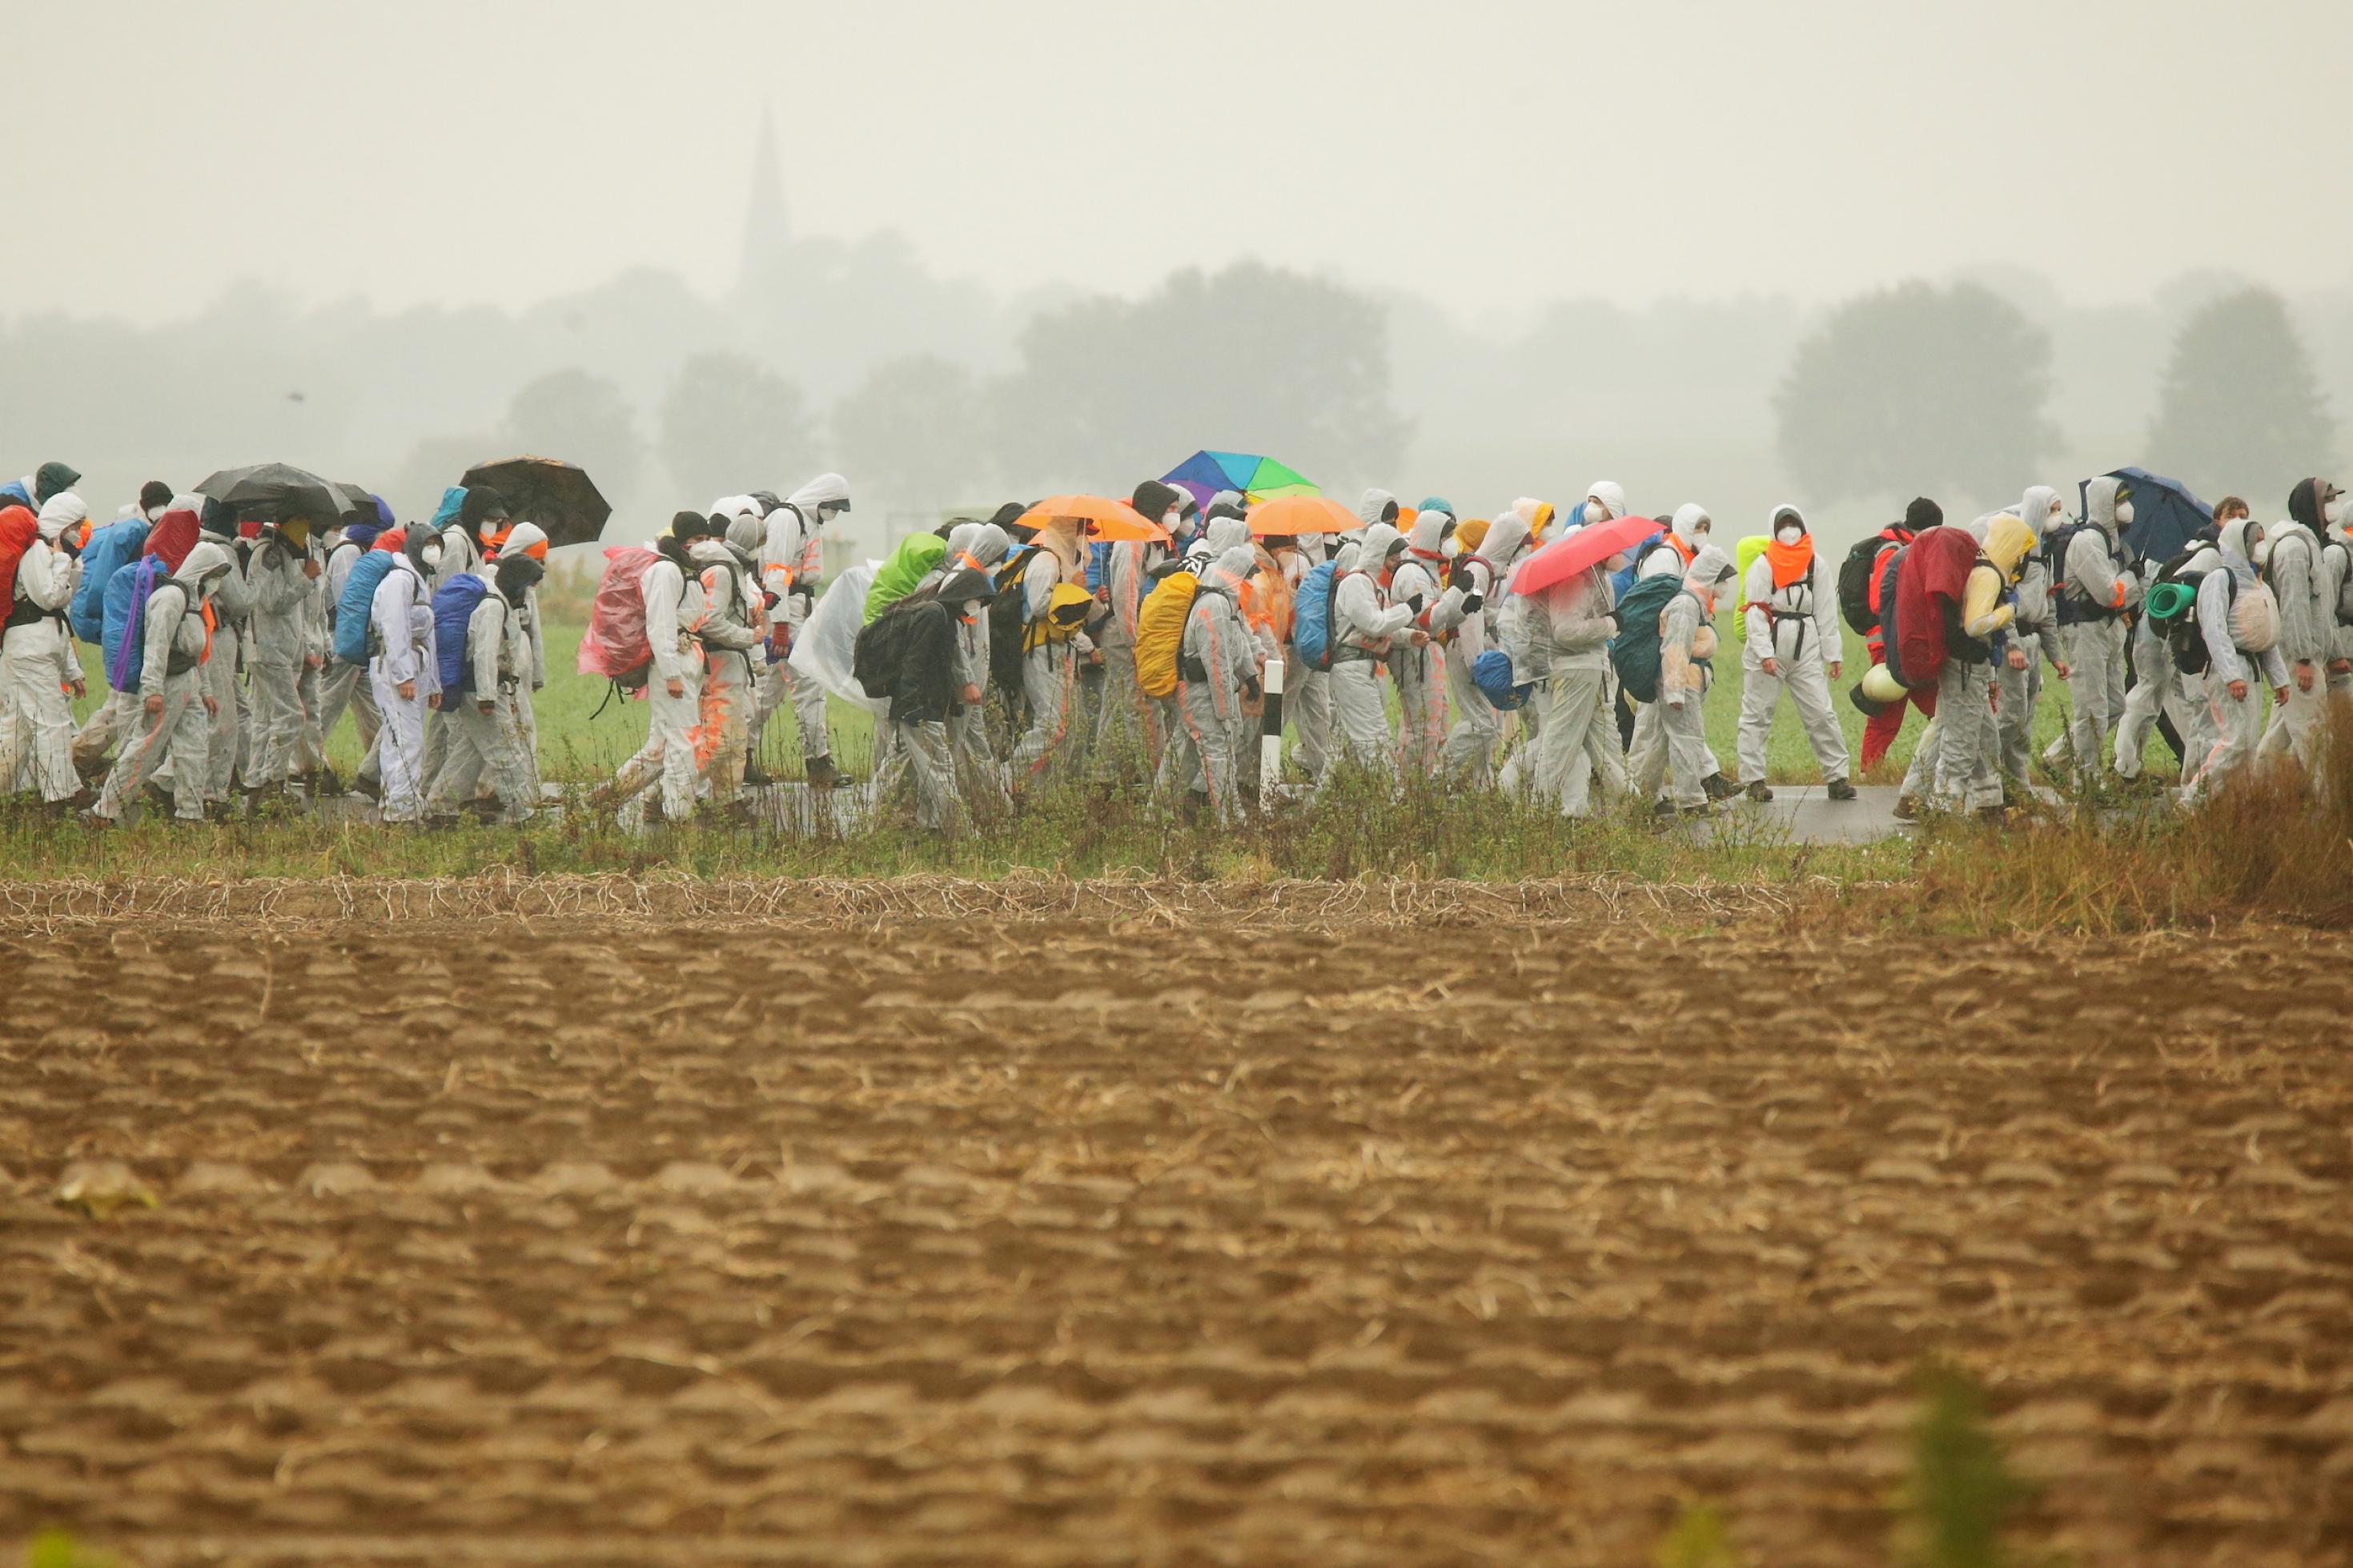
(342, 685)
(2095, 588)
(1218, 665)
(2160, 686)
(1671, 554)
(2337, 573)
(404, 672)
(1418, 583)
(1792, 646)
(282, 573)
(1670, 734)
(1578, 743)
(40, 673)
(1469, 611)
(232, 606)
(174, 723)
(678, 613)
(1127, 739)
(1051, 651)
(1366, 629)
(2302, 585)
(485, 745)
(94, 742)
(2238, 618)
(733, 631)
(1962, 770)
(974, 547)
(792, 561)
(1306, 693)
(1526, 640)
(1604, 499)
(2033, 637)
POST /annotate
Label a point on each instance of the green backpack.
(1635, 650)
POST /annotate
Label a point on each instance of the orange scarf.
(1790, 562)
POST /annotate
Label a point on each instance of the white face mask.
(2057, 519)
(2333, 514)
(1790, 534)
(2124, 514)
(155, 514)
(1595, 511)
(431, 555)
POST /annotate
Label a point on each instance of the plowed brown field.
(538, 1241)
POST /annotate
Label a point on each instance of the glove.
(1249, 688)
(1472, 604)
(1414, 604)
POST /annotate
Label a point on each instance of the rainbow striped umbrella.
(1203, 474)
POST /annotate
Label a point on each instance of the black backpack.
(881, 646)
(1008, 619)
(1854, 585)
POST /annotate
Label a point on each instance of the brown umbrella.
(558, 495)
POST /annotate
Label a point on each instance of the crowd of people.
(1032, 646)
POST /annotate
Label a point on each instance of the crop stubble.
(990, 1239)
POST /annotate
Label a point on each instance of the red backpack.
(17, 532)
(615, 645)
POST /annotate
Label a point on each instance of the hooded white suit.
(792, 558)
(1671, 733)
(37, 661)
(1420, 679)
(180, 731)
(1469, 609)
(1366, 629)
(2098, 587)
(2238, 720)
(1795, 625)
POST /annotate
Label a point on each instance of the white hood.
(825, 490)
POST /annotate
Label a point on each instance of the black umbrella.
(356, 498)
(557, 494)
(277, 490)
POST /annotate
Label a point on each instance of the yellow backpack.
(1066, 609)
(1160, 632)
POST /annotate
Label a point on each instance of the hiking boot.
(754, 776)
(326, 784)
(367, 788)
(1718, 788)
(1839, 789)
(821, 774)
(1907, 808)
(1991, 815)
(1758, 791)
(1664, 808)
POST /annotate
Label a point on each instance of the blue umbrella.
(2165, 514)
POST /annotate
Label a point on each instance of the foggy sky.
(1489, 156)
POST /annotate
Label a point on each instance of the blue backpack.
(1311, 630)
(453, 606)
(1635, 650)
(122, 618)
(108, 550)
(354, 606)
(1491, 672)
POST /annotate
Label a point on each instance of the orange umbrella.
(1286, 516)
(1102, 518)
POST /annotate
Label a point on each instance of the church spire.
(766, 232)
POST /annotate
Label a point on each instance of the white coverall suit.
(1217, 660)
(342, 685)
(2033, 638)
(1670, 734)
(280, 595)
(2097, 588)
(402, 614)
(675, 612)
(232, 601)
(730, 639)
(1050, 679)
(2307, 633)
(1419, 672)
(1469, 608)
(171, 670)
(37, 668)
(792, 562)
(1579, 740)
(487, 746)
(2237, 720)
(1795, 625)
(1366, 629)
(1127, 730)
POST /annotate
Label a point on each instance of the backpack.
(1310, 631)
(1066, 609)
(1160, 632)
(355, 616)
(1854, 575)
(881, 647)
(454, 603)
(2344, 577)
(615, 645)
(329, 570)
(1634, 651)
(1008, 617)
(1491, 672)
(108, 550)
(122, 617)
(1890, 638)
(2073, 608)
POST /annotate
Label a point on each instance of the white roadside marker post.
(1269, 734)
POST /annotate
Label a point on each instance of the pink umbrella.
(1587, 547)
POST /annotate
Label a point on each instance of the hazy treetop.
(1487, 155)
